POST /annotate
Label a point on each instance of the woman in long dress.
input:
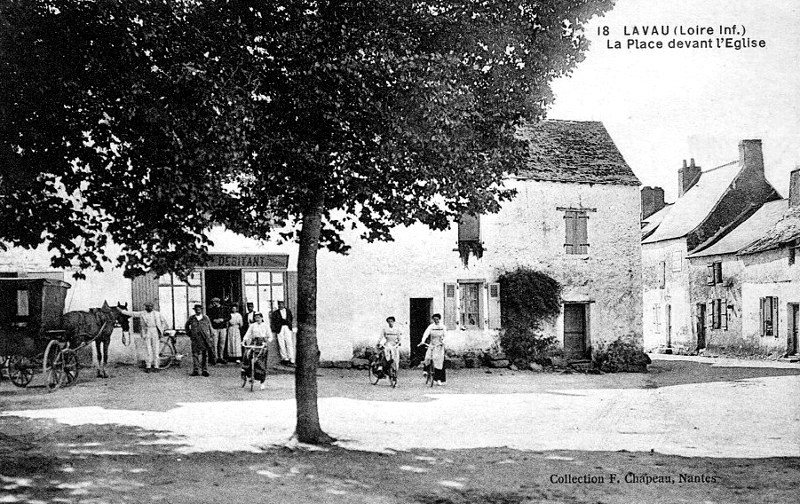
(389, 342)
(434, 357)
(234, 345)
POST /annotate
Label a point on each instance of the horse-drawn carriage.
(36, 334)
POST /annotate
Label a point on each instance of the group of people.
(220, 333)
(433, 337)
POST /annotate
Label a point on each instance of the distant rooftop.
(651, 223)
(691, 209)
(575, 151)
(785, 231)
(748, 231)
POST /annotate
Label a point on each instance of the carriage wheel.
(53, 366)
(18, 370)
(71, 367)
(3, 366)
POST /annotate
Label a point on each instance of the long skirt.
(259, 366)
(234, 345)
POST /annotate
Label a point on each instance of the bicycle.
(380, 367)
(167, 353)
(253, 356)
(427, 369)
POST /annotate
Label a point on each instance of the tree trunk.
(308, 429)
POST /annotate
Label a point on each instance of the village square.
(404, 252)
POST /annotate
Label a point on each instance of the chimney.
(794, 188)
(687, 177)
(750, 156)
(652, 201)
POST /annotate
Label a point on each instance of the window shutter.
(761, 303)
(663, 275)
(775, 317)
(710, 275)
(718, 272)
(714, 314)
(469, 228)
(710, 314)
(493, 309)
(582, 233)
(450, 315)
(725, 315)
(569, 222)
(144, 289)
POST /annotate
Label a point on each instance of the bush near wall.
(623, 355)
(527, 299)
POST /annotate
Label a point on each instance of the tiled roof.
(694, 206)
(786, 230)
(748, 231)
(575, 151)
(651, 223)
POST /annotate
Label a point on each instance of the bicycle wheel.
(392, 375)
(429, 375)
(166, 354)
(374, 375)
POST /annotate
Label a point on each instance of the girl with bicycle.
(258, 334)
(434, 357)
(389, 343)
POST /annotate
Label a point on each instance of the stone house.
(575, 218)
(710, 204)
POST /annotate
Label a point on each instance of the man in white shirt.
(153, 325)
(280, 322)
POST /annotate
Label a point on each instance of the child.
(258, 334)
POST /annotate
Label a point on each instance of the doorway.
(419, 319)
(575, 329)
(793, 312)
(701, 326)
(224, 284)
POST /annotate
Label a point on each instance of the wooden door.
(419, 318)
(575, 329)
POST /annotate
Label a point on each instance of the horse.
(98, 323)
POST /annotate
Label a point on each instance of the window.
(577, 240)
(769, 316)
(469, 228)
(794, 248)
(22, 303)
(677, 261)
(176, 298)
(716, 314)
(264, 289)
(470, 305)
(714, 275)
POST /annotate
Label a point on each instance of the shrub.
(528, 298)
(623, 355)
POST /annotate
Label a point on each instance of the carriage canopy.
(30, 305)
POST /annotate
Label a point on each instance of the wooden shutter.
(493, 308)
(144, 289)
(569, 223)
(714, 314)
(450, 305)
(582, 233)
(469, 228)
(710, 314)
(710, 275)
(662, 281)
(761, 304)
(718, 272)
(725, 314)
(775, 317)
(290, 294)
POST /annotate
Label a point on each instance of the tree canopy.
(146, 122)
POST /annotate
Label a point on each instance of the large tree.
(146, 122)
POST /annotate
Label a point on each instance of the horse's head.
(123, 320)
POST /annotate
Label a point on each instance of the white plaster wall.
(675, 293)
(376, 280)
(768, 274)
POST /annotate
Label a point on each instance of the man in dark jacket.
(280, 322)
(219, 328)
(198, 327)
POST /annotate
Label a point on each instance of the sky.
(662, 106)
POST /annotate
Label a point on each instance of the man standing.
(219, 326)
(280, 322)
(200, 332)
(153, 325)
(248, 317)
